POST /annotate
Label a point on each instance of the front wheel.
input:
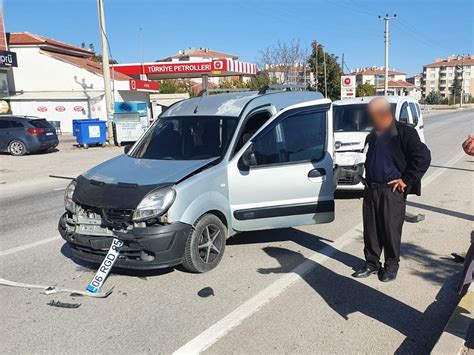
(205, 244)
(17, 148)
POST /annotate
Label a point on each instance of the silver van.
(209, 167)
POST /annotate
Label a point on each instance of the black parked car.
(23, 134)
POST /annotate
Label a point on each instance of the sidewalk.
(458, 335)
(331, 312)
(31, 172)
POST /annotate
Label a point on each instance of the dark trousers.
(383, 215)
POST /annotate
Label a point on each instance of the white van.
(351, 127)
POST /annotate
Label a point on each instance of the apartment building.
(397, 83)
(439, 76)
(297, 73)
(416, 80)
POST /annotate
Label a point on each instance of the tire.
(85, 146)
(199, 255)
(17, 148)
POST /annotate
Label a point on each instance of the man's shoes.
(366, 271)
(387, 276)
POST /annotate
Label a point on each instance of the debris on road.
(48, 290)
(206, 292)
(414, 218)
(459, 257)
(60, 304)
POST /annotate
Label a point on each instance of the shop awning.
(54, 95)
(187, 69)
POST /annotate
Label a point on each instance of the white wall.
(40, 72)
(52, 113)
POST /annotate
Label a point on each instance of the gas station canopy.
(187, 69)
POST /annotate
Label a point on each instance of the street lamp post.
(106, 71)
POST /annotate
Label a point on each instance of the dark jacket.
(410, 155)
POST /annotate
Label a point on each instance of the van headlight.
(69, 204)
(154, 204)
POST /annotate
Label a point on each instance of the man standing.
(395, 163)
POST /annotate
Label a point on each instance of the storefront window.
(3, 84)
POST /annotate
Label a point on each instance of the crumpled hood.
(126, 169)
(349, 141)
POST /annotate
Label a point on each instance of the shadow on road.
(346, 295)
(451, 168)
(348, 194)
(441, 210)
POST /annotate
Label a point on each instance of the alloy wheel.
(210, 243)
(17, 148)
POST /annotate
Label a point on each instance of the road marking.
(28, 246)
(60, 188)
(222, 327)
(211, 335)
(439, 171)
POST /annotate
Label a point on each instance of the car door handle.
(318, 172)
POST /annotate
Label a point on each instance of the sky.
(421, 32)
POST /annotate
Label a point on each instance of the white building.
(60, 82)
(397, 83)
(296, 73)
(439, 76)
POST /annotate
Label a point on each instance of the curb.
(455, 333)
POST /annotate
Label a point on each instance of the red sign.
(173, 67)
(42, 108)
(60, 108)
(78, 108)
(142, 85)
(347, 81)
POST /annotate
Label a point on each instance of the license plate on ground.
(104, 269)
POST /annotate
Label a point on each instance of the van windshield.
(186, 138)
(351, 118)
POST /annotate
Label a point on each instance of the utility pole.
(106, 71)
(325, 74)
(315, 48)
(143, 75)
(342, 63)
(462, 81)
(387, 38)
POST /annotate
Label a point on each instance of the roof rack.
(288, 87)
(206, 92)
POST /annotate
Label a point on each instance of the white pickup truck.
(351, 127)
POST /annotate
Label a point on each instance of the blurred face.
(380, 115)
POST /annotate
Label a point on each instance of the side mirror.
(249, 158)
(127, 148)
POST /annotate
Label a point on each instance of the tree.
(333, 70)
(260, 80)
(232, 83)
(98, 58)
(171, 86)
(365, 90)
(456, 87)
(434, 98)
(280, 60)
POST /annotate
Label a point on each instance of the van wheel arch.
(219, 215)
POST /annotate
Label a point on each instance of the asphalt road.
(274, 292)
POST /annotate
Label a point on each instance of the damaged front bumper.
(149, 247)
